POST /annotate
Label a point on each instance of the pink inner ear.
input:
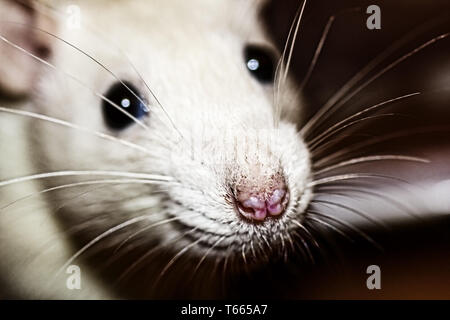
(18, 74)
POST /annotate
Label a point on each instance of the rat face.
(190, 103)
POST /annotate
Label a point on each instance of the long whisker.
(70, 231)
(136, 263)
(76, 127)
(136, 234)
(208, 252)
(152, 178)
(357, 230)
(79, 184)
(376, 106)
(321, 114)
(350, 176)
(311, 237)
(294, 40)
(382, 196)
(379, 139)
(371, 159)
(316, 145)
(280, 66)
(111, 231)
(357, 212)
(392, 65)
(100, 237)
(306, 252)
(177, 256)
(330, 226)
(320, 45)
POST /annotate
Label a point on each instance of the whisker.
(156, 99)
(379, 139)
(376, 106)
(392, 65)
(311, 238)
(77, 184)
(280, 66)
(176, 257)
(357, 230)
(71, 231)
(283, 246)
(111, 231)
(141, 231)
(76, 127)
(306, 253)
(320, 45)
(152, 178)
(100, 237)
(330, 226)
(316, 145)
(350, 176)
(136, 263)
(371, 159)
(294, 39)
(331, 103)
(244, 256)
(357, 212)
(207, 253)
(384, 197)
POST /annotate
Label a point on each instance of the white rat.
(204, 165)
(164, 153)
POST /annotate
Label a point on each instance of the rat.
(164, 150)
(198, 156)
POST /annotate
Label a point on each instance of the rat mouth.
(243, 236)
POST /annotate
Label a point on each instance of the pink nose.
(258, 205)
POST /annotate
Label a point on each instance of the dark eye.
(260, 62)
(122, 95)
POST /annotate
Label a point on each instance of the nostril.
(253, 207)
(275, 203)
(261, 204)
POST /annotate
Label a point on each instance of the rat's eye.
(260, 62)
(127, 101)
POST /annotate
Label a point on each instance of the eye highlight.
(122, 95)
(260, 62)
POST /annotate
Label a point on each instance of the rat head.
(186, 91)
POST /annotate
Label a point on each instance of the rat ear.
(18, 22)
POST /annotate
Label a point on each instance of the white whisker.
(374, 107)
(177, 256)
(150, 177)
(331, 103)
(370, 159)
(354, 229)
(77, 127)
(79, 184)
(350, 176)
